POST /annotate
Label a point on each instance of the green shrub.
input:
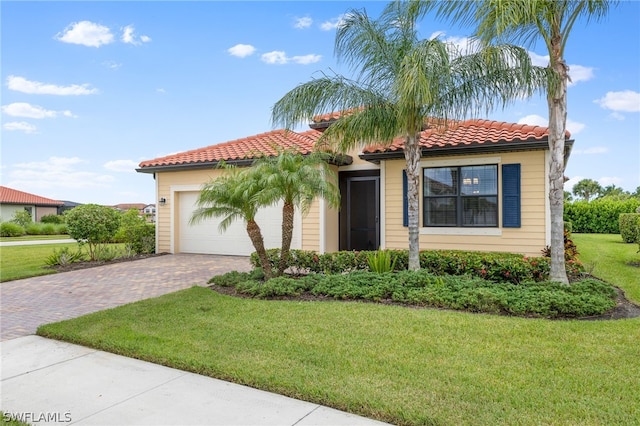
(22, 218)
(500, 267)
(52, 218)
(598, 216)
(64, 256)
(33, 229)
(136, 233)
(93, 225)
(629, 223)
(11, 229)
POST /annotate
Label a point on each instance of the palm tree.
(296, 180)
(404, 84)
(526, 21)
(233, 196)
(586, 189)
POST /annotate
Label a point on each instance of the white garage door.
(205, 237)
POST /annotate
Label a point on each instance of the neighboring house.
(149, 212)
(68, 205)
(484, 186)
(12, 200)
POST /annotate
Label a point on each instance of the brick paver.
(25, 304)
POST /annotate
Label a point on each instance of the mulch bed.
(624, 308)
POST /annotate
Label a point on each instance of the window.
(461, 196)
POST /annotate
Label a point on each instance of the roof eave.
(338, 160)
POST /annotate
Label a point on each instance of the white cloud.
(275, 57)
(241, 50)
(306, 59)
(23, 109)
(21, 84)
(539, 60)
(591, 151)
(610, 180)
(112, 65)
(625, 101)
(579, 73)
(301, 23)
(56, 172)
(21, 126)
(86, 33)
(280, 57)
(536, 120)
(129, 36)
(568, 185)
(121, 166)
(616, 116)
(161, 90)
(332, 24)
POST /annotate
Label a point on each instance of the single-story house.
(12, 200)
(484, 186)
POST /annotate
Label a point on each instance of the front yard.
(401, 365)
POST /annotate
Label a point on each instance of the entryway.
(360, 212)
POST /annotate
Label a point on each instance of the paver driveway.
(25, 304)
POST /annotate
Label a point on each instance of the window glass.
(461, 196)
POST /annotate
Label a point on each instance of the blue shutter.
(405, 200)
(511, 217)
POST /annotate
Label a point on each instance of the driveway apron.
(28, 303)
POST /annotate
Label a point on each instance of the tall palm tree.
(587, 188)
(403, 84)
(526, 21)
(296, 180)
(232, 196)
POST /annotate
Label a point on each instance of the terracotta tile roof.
(13, 196)
(474, 132)
(129, 206)
(241, 149)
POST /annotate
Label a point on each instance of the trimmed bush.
(11, 229)
(52, 218)
(598, 216)
(93, 225)
(629, 224)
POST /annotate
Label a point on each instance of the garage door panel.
(205, 237)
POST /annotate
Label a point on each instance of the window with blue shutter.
(405, 199)
(511, 216)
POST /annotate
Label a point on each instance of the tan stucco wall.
(529, 239)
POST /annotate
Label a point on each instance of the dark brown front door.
(360, 217)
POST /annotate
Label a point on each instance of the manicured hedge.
(498, 267)
(629, 224)
(598, 216)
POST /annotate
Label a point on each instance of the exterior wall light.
(163, 201)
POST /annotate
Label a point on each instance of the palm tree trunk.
(287, 235)
(557, 101)
(258, 243)
(412, 158)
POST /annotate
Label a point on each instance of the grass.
(18, 262)
(35, 238)
(607, 257)
(10, 420)
(404, 366)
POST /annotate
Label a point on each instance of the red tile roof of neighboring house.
(241, 149)
(474, 132)
(13, 196)
(129, 206)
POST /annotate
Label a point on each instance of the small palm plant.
(381, 261)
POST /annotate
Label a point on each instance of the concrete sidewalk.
(44, 379)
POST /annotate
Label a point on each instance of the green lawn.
(18, 262)
(606, 256)
(401, 365)
(35, 238)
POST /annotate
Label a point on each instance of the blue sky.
(91, 89)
